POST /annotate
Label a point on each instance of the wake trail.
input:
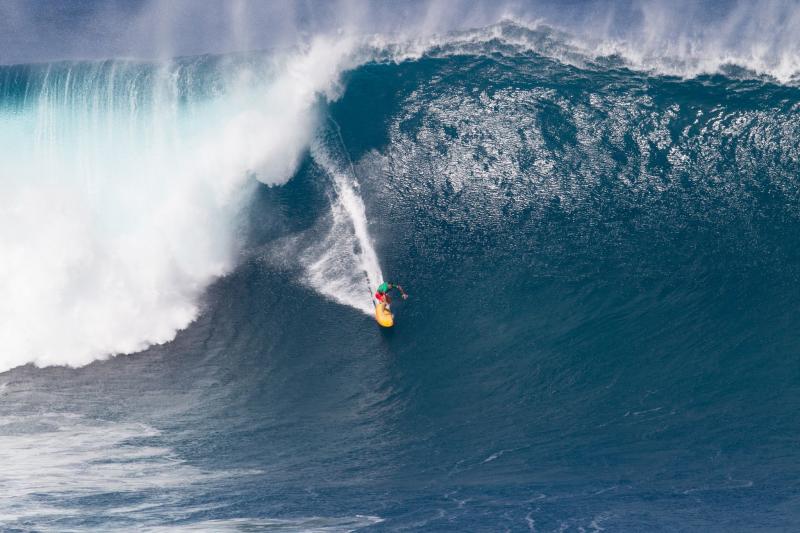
(340, 265)
(357, 212)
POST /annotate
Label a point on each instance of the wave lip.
(646, 47)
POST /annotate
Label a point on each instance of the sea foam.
(122, 184)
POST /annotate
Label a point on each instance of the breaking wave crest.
(122, 184)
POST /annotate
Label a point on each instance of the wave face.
(602, 263)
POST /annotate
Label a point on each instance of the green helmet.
(383, 287)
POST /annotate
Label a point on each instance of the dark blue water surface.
(602, 331)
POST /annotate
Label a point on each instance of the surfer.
(383, 292)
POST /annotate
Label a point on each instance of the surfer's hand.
(405, 296)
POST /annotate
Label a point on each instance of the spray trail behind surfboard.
(344, 265)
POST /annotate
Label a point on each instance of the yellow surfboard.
(383, 316)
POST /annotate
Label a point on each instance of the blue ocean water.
(601, 335)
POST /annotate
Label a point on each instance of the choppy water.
(602, 331)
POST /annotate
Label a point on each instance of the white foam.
(53, 460)
(50, 458)
(314, 524)
(119, 199)
(344, 265)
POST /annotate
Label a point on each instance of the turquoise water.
(601, 333)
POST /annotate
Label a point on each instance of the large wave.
(123, 182)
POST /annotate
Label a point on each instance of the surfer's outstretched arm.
(402, 292)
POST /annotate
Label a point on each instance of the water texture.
(603, 264)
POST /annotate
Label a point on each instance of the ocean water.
(602, 262)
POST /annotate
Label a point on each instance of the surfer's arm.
(402, 292)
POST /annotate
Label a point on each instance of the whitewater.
(594, 209)
(123, 183)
